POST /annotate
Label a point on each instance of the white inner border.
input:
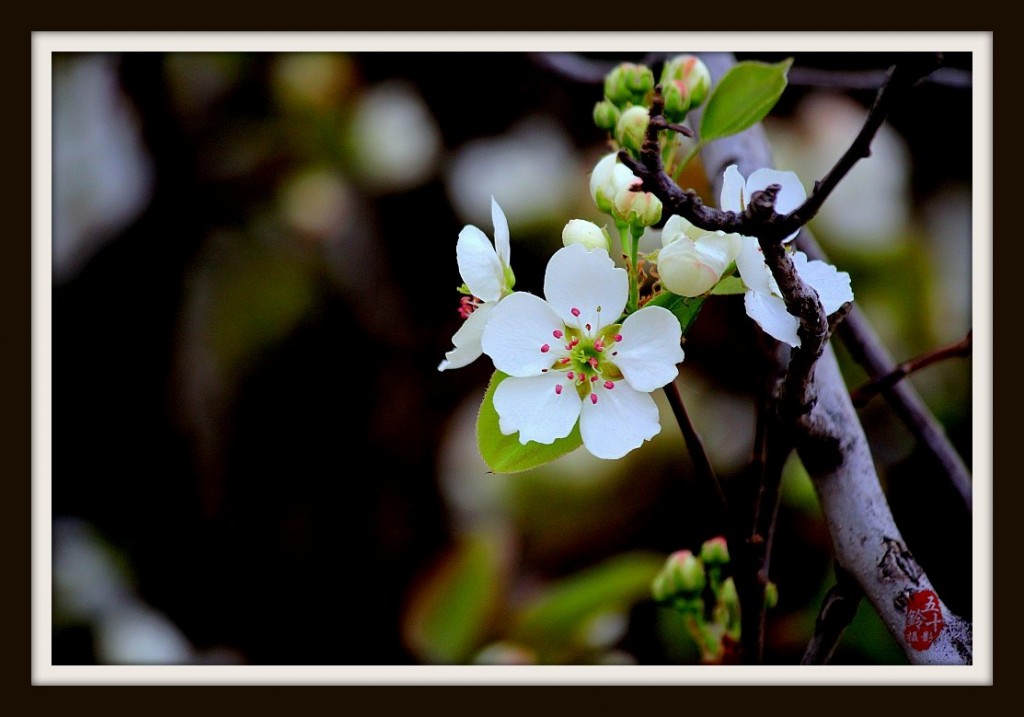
(46, 43)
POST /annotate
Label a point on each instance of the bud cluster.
(624, 112)
(696, 587)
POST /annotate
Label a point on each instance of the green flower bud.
(715, 551)
(681, 577)
(591, 236)
(606, 115)
(771, 595)
(628, 83)
(677, 100)
(638, 209)
(694, 75)
(632, 126)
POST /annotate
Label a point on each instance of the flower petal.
(770, 313)
(519, 328)
(587, 281)
(532, 407)
(467, 339)
(752, 267)
(621, 420)
(792, 194)
(479, 265)
(733, 198)
(649, 350)
(832, 285)
(501, 237)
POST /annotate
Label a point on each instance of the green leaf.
(558, 619)
(684, 308)
(729, 285)
(505, 454)
(742, 98)
(451, 609)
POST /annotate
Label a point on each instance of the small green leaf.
(505, 454)
(684, 308)
(742, 98)
(729, 285)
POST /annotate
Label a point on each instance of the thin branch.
(867, 349)
(698, 454)
(901, 78)
(863, 393)
(837, 612)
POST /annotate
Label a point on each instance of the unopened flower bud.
(681, 577)
(588, 234)
(677, 100)
(693, 259)
(771, 595)
(632, 127)
(638, 209)
(608, 177)
(694, 75)
(606, 115)
(715, 551)
(628, 83)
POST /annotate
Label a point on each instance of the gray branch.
(834, 449)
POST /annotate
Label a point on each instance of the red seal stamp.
(924, 620)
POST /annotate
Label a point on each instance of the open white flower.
(487, 273)
(692, 259)
(763, 299)
(568, 359)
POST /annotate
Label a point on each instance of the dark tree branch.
(901, 78)
(863, 393)
(698, 454)
(837, 611)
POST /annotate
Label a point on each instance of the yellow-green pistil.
(590, 357)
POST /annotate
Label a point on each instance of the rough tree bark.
(833, 447)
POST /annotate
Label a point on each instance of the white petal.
(533, 408)
(588, 281)
(621, 420)
(751, 265)
(478, 264)
(649, 350)
(832, 285)
(771, 315)
(467, 339)
(792, 194)
(520, 327)
(501, 237)
(674, 228)
(733, 188)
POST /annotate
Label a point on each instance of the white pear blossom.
(487, 273)
(692, 259)
(569, 359)
(763, 299)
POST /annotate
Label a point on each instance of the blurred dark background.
(255, 459)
